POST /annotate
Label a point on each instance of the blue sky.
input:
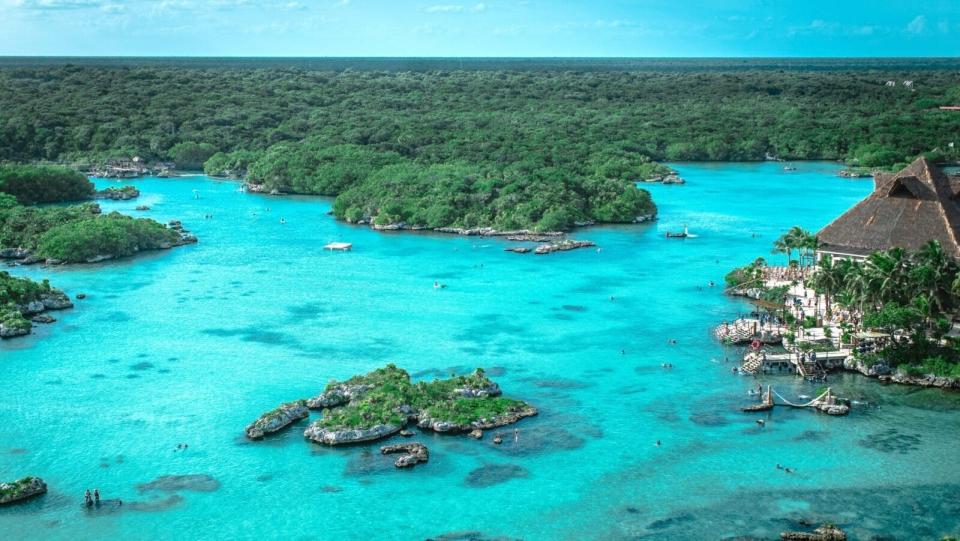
(480, 28)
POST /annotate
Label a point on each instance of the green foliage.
(32, 184)
(937, 365)
(191, 155)
(550, 116)
(542, 149)
(231, 164)
(393, 390)
(15, 292)
(313, 167)
(464, 195)
(22, 227)
(16, 487)
(115, 235)
(748, 275)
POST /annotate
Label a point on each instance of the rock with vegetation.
(20, 490)
(826, 532)
(22, 299)
(412, 454)
(278, 419)
(390, 401)
(562, 246)
(123, 193)
(338, 394)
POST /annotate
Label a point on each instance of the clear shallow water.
(190, 345)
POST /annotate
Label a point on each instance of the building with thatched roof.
(907, 209)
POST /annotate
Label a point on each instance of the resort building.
(907, 209)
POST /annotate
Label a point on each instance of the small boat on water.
(680, 234)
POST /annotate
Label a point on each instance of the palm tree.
(826, 280)
(933, 278)
(782, 246)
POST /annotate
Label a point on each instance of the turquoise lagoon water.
(189, 345)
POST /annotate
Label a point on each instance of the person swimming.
(87, 499)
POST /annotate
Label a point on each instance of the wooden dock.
(756, 361)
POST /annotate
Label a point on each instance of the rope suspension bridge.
(827, 403)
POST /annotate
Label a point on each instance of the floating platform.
(339, 246)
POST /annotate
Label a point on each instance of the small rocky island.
(123, 193)
(20, 490)
(383, 403)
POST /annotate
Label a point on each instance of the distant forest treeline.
(543, 138)
(487, 117)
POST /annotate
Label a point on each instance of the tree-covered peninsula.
(69, 234)
(546, 147)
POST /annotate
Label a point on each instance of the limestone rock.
(562, 246)
(826, 532)
(12, 331)
(14, 253)
(413, 453)
(337, 396)
(510, 417)
(342, 436)
(56, 300)
(25, 488)
(276, 420)
(489, 389)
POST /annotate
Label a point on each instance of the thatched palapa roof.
(906, 210)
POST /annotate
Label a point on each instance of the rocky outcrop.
(489, 388)
(491, 232)
(826, 532)
(854, 364)
(338, 395)
(413, 453)
(441, 425)
(346, 436)
(562, 246)
(645, 218)
(838, 408)
(56, 300)
(185, 236)
(278, 419)
(886, 374)
(14, 253)
(25, 488)
(118, 194)
(13, 329)
(924, 380)
(673, 179)
(530, 237)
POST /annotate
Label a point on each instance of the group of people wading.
(91, 500)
